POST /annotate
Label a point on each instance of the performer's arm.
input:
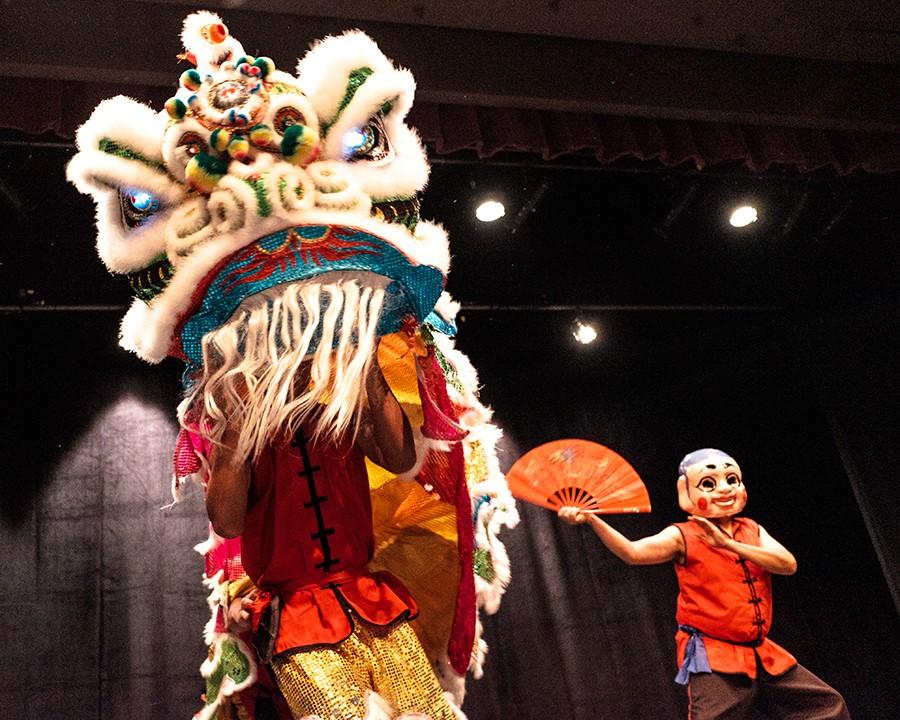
(770, 555)
(226, 491)
(385, 435)
(664, 546)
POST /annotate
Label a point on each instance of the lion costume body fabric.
(266, 220)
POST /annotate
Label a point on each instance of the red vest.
(308, 537)
(729, 600)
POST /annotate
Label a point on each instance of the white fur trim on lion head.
(361, 100)
(208, 42)
(120, 156)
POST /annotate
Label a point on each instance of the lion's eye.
(191, 144)
(137, 205)
(368, 142)
(287, 117)
(359, 141)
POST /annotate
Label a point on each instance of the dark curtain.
(103, 606)
(863, 411)
(60, 107)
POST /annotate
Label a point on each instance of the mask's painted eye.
(137, 206)
(707, 484)
(368, 142)
(287, 117)
(732, 479)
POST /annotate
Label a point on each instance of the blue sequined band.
(445, 327)
(303, 252)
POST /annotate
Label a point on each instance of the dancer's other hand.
(712, 534)
(237, 619)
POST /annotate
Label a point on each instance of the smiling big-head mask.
(710, 484)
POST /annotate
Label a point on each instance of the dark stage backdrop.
(103, 608)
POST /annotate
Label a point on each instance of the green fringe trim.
(484, 567)
(152, 280)
(449, 372)
(263, 204)
(354, 82)
(111, 147)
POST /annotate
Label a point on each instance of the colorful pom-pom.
(219, 139)
(261, 135)
(176, 108)
(204, 171)
(191, 79)
(266, 66)
(239, 147)
(238, 118)
(299, 145)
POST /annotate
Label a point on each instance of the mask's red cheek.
(702, 503)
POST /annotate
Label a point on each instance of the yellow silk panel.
(416, 540)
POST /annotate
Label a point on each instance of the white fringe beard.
(252, 379)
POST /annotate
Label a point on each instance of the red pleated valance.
(487, 131)
(59, 107)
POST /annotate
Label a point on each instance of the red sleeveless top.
(729, 600)
(308, 537)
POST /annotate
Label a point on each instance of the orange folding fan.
(578, 473)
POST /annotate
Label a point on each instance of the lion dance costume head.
(266, 221)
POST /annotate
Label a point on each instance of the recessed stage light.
(743, 216)
(584, 333)
(490, 210)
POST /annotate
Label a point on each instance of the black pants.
(795, 695)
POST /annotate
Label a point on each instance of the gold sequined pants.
(333, 682)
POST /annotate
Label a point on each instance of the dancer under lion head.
(269, 226)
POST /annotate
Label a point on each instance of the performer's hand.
(572, 515)
(712, 535)
(237, 619)
(385, 435)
